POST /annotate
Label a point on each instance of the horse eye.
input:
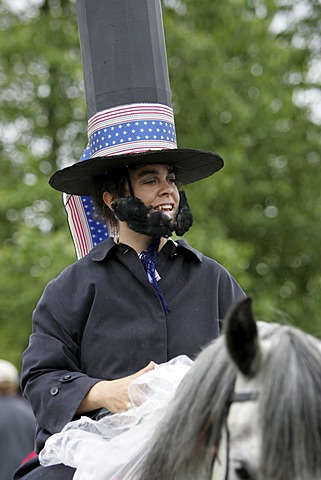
(242, 473)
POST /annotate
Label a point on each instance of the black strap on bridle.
(235, 397)
(243, 397)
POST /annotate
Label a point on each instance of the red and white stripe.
(128, 113)
(78, 224)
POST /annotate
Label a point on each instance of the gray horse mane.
(180, 448)
(290, 407)
(186, 441)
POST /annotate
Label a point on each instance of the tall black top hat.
(130, 117)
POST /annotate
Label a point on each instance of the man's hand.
(111, 394)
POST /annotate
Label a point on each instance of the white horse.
(249, 409)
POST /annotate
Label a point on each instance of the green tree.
(42, 126)
(234, 83)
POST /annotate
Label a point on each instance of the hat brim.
(190, 166)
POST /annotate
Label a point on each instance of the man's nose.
(166, 188)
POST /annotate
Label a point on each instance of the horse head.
(249, 408)
(273, 425)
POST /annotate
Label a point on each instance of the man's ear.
(109, 199)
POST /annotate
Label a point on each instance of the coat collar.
(103, 249)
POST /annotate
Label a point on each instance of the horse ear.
(242, 337)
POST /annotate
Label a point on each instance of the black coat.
(102, 319)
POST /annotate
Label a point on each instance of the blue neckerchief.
(148, 260)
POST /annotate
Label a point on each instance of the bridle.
(235, 397)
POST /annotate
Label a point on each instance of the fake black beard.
(153, 223)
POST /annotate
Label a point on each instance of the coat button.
(54, 391)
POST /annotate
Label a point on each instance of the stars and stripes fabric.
(86, 231)
(117, 131)
(131, 129)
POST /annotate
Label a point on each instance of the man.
(137, 298)
(102, 322)
(17, 422)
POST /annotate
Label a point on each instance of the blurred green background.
(245, 78)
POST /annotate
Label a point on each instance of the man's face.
(155, 186)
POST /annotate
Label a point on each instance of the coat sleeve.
(52, 379)
(229, 292)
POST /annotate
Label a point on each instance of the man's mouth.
(165, 208)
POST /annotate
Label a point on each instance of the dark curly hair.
(113, 182)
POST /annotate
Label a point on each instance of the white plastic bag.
(110, 448)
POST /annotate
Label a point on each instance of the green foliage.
(234, 82)
(238, 80)
(42, 125)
